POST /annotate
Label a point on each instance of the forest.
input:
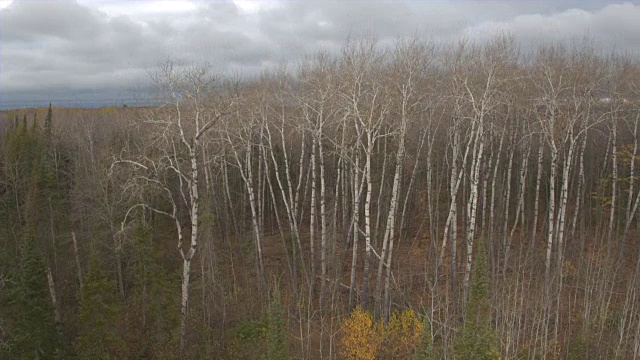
(406, 200)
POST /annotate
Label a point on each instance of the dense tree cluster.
(493, 190)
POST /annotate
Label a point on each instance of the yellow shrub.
(402, 335)
(360, 338)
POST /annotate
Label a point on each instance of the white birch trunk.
(576, 210)
(387, 241)
(536, 201)
(323, 221)
(367, 220)
(631, 178)
(312, 221)
(507, 201)
(473, 205)
(614, 181)
(551, 221)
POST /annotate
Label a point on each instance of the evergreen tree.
(478, 340)
(34, 124)
(98, 320)
(153, 305)
(425, 350)
(29, 308)
(277, 344)
(47, 124)
(47, 167)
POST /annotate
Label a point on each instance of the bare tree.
(193, 104)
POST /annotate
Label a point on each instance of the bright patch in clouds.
(5, 3)
(117, 8)
(254, 6)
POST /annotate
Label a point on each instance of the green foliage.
(30, 220)
(34, 124)
(153, 308)
(99, 315)
(27, 306)
(47, 124)
(247, 341)
(425, 350)
(477, 339)
(277, 342)
(266, 339)
(581, 346)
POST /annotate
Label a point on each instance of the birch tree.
(193, 106)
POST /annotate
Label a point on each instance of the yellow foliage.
(360, 338)
(363, 339)
(402, 334)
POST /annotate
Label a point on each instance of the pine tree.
(425, 350)
(48, 124)
(478, 340)
(34, 124)
(277, 344)
(47, 168)
(98, 321)
(152, 298)
(34, 332)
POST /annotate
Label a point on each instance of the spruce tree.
(425, 350)
(478, 340)
(34, 125)
(277, 344)
(98, 320)
(153, 305)
(48, 124)
(34, 332)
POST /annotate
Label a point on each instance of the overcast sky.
(96, 49)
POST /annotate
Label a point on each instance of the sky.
(100, 51)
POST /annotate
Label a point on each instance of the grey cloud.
(615, 26)
(63, 47)
(34, 20)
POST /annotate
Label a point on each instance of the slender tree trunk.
(632, 164)
(323, 222)
(473, 204)
(614, 181)
(387, 242)
(581, 183)
(492, 207)
(536, 201)
(54, 299)
(367, 221)
(76, 254)
(550, 222)
(312, 221)
(379, 203)
(507, 201)
(186, 267)
(358, 185)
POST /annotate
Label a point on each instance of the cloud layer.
(61, 48)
